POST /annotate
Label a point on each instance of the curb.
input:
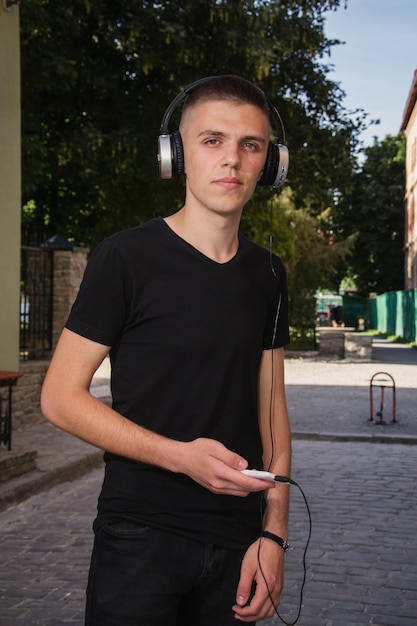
(351, 438)
(37, 482)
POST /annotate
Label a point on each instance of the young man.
(194, 316)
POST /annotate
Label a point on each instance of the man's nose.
(232, 156)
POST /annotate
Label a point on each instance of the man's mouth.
(228, 182)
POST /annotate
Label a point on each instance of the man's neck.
(215, 236)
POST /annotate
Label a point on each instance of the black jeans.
(141, 576)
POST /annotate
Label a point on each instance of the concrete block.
(358, 346)
(331, 341)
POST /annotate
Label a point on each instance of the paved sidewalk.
(361, 566)
(361, 563)
(327, 400)
(331, 399)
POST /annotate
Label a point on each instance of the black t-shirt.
(186, 336)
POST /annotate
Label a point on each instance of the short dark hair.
(228, 87)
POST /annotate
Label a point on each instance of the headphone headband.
(177, 101)
(170, 150)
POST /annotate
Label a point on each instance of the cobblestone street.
(361, 565)
(45, 545)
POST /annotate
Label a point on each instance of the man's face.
(225, 147)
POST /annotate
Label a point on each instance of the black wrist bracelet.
(281, 542)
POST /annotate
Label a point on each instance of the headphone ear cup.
(276, 166)
(271, 166)
(170, 155)
(177, 154)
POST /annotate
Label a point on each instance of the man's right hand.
(218, 469)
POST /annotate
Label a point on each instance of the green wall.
(395, 313)
(10, 195)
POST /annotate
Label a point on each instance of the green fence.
(394, 313)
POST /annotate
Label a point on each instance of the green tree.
(311, 252)
(97, 77)
(374, 214)
(311, 266)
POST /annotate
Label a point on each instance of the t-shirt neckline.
(198, 252)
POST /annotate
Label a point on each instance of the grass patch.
(392, 338)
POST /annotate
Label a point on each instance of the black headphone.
(171, 154)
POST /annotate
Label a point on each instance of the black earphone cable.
(280, 479)
(290, 481)
(274, 334)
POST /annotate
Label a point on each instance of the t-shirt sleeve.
(100, 309)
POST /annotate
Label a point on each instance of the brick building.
(409, 126)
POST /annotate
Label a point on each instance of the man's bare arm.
(276, 440)
(67, 402)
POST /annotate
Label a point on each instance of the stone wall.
(26, 394)
(69, 266)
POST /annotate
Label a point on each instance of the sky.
(375, 67)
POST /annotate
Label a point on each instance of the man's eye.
(251, 146)
(212, 142)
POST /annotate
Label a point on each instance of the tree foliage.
(312, 254)
(374, 214)
(98, 76)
